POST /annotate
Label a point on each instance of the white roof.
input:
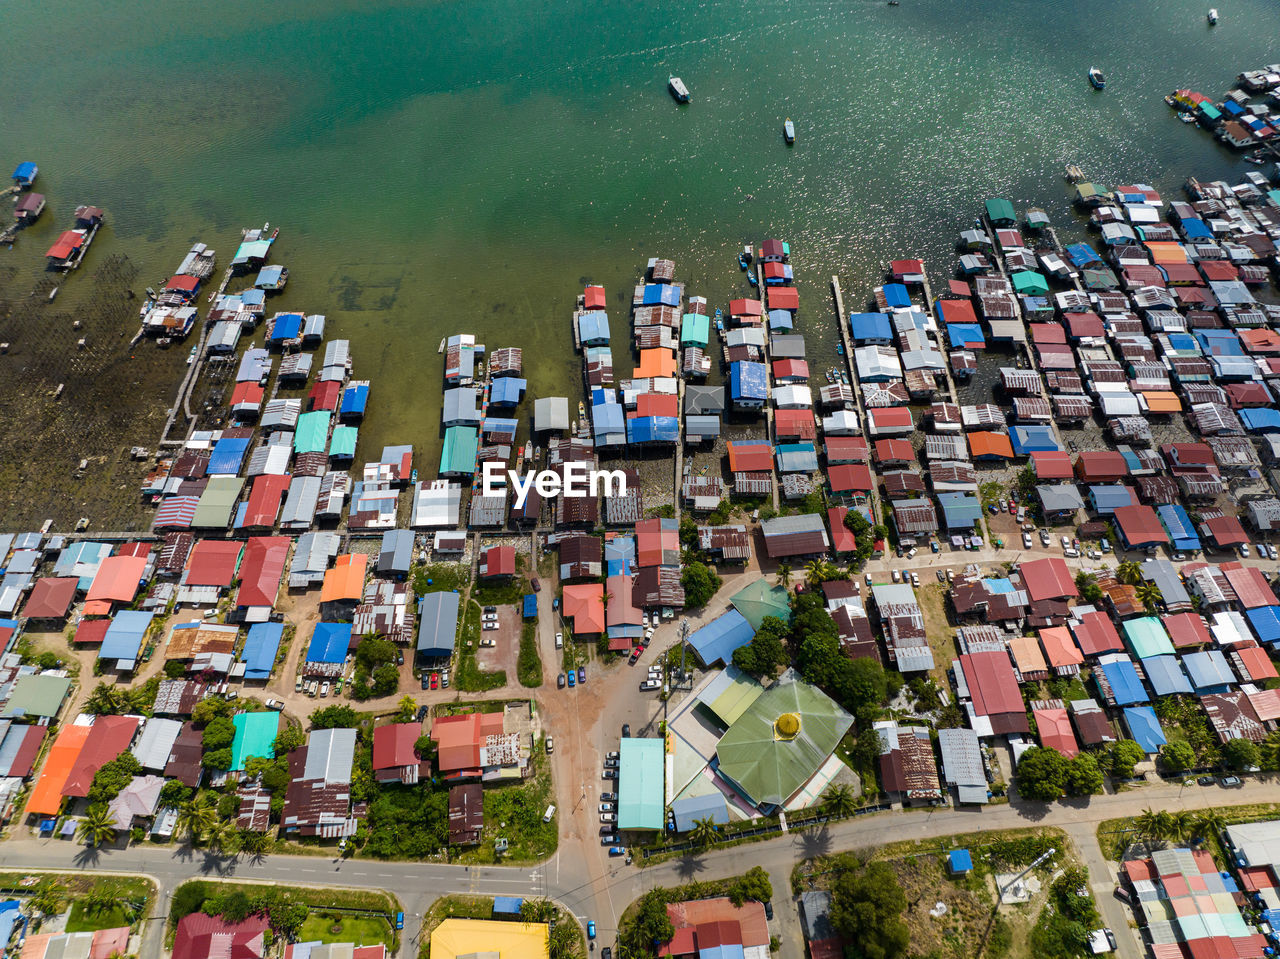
(329, 755)
(436, 504)
(156, 742)
(840, 423)
(1119, 403)
(793, 397)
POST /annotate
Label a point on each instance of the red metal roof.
(784, 298)
(985, 443)
(68, 243)
(265, 497)
(1226, 531)
(994, 686)
(499, 561)
(746, 307)
(850, 477)
(1256, 663)
(901, 268)
(842, 538)
(108, 738)
(182, 283)
(1046, 333)
(91, 632)
(1098, 465)
(213, 562)
(957, 311)
(846, 449)
(1140, 526)
(894, 451)
(211, 937)
(750, 458)
(324, 395)
(1059, 647)
(657, 404)
(593, 298)
(262, 570)
(117, 579)
(393, 745)
(584, 604)
(1048, 578)
(1186, 629)
(50, 598)
(246, 394)
(890, 417)
(1096, 634)
(1219, 270)
(785, 369)
(1083, 324)
(1055, 730)
(789, 424)
(1052, 465)
(1250, 585)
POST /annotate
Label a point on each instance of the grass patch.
(529, 665)
(452, 907)
(1115, 835)
(97, 902)
(514, 813)
(933, 606)
(342, 927)
(84, 919)
(439, 577)
(468, 676)
(497, 593)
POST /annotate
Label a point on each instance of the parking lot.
(506, 641)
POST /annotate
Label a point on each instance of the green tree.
(839, 801)
(175, 669)
(703, 833)
(425, 747)
(1084, 778)
(1124, 756)
(1149, 594)
(767, 653)
(867, 907)
(1240, 754)
(288, 739)
(197, 818)
(1089, 589)
(174, 793)
(49, 898)
(386, 679)
(1209, 823)
(254, 843)
(1177, 756)
(335, 717)
(1150, 824)
(407, 710)
(98, 826)
(700, 583)
(1042, 774)
(1129, 572)
(209, 709)
(217, 759)
(220, 733)
(113, 777)
(753, 884)
(106, 700)
(784, 574)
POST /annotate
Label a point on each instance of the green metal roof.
(1000, 210)
(641, 791)
(213, 511)
(255, 732)
(37, 696)
(1087, 191)
(766, 763)
(695, 328)
(343, 441)
(312, 433)
(731, 694)
(458, 454)
(1146, 637)
(1030, 282)
(759, 600)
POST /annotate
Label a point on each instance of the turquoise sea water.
(447, 166)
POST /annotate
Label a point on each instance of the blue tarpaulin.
(653, 429)
(748, 381)
(964, 335)
(260, 648)
(25, 174)
(960, 860)
(661, 294)
(329, 643)
(1195, 229)
(1082, 254)
(507, 905)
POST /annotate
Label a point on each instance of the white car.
(608, 817)
(895, 575)
(1271, 552)
(868, 578)
(490, 625)
(1244, 550)
(915, 578)
(606, 807)
(649, 685)
(559, 640)
(1026, 540)
(1066, 542)
(324, 690)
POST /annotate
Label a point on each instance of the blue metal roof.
(26, 172)
(1219, 342)
(1028, 439)
(1265, 621)
(870, 326)
(1165, 675)
(1194, 228)
(661, 294)
(653, 429)
(1260, 419)
(960, 860)
(1082, 254)
(1179, 526)
(1123, 680)
(354, 399)
(253, 298)
(961, 334)
(1209, 671)
(269, 276)
(1144, 727)
(329, 643)
(500, 426)
(608, 418)
(507, 905)
(716, 641)
(123, 638)
(1110, 497)
(507, 390)
(960, 510)
(748, 380)
(620, 556)
(593, 327)
(228, 455)
(896, 296)
(286, 326)
(690, 809)
(530, 606)
(781, 320)
(260, 648)
(796, 458)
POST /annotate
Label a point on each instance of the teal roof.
(255, 732)
(1145, 637)
(1028, 281)
(641, 793)
(695, 329)
(759, 600)
(458, 455)
(312, 432)
(1000, 211)
(343, 442)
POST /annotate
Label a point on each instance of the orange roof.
(983, 443)
(784, 298)
(1256, 662)
(1162, 401)
(584, 604)
(346, 579)
(1166, 251)
(46, 797)
(99, 607)
(750, 458)
(1027, 656)
(656, 362)
(1060, 647)
(117, 579)
(1055, 730)
(458, 739)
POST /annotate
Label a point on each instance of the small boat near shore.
(788, 131)
(678, 89)
(1097, 79)
(1212, 16)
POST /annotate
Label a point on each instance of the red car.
(1013, 506)
(435, 680)
(635, 653)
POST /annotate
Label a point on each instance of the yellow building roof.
(455, 938)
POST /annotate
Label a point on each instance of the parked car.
(1244, 550)
(582, 675)
(618, 851)
(324, 691)
(560, 681)
(868, 579)
(635, 654)
(422, 713)
(491, 609)
(1262, 551)
(649, 685)
(1206, 781)
(606, 807)
(915, 578)
(573, 679)
(612, 755)
(1104, 544)
(555, 603)
(1271, 552)
(444, 680)
(611, 762)
(609, 797)
(537, 587)
(1044, 537)
(551, 744)
(275, 704)
(435, 680)
(591, 928)
(626, 730)
(933, 546)
(1230, 782)
(488, 643)
(297, 687)
(488, 626)
(942, 576)
(608, 839)
(911, 553)
(895, 575)
(425, 681)
(609, 774)
(559, 640)
(1066, 542)
(1026, 540)
(768, 910)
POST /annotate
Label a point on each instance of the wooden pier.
(768, 382)
(877, 509)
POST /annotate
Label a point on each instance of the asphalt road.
(590, 892)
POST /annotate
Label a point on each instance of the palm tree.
(197, 818)
(48, 897)
(407, 710)
(1129, 572)
(1149, 594)
(813, 573)
(98, 826)
(1147, 824)
(784, 574)
(1209, 823)
(1181, 825)
(223, 838)
(839, 801)
(703, 833)
(254, 843)
(106, 700)
(99, 902)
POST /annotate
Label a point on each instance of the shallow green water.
(443, 167)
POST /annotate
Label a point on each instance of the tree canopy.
(767, 652)
(700, 583)
(866, 908)
(1042, 774)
